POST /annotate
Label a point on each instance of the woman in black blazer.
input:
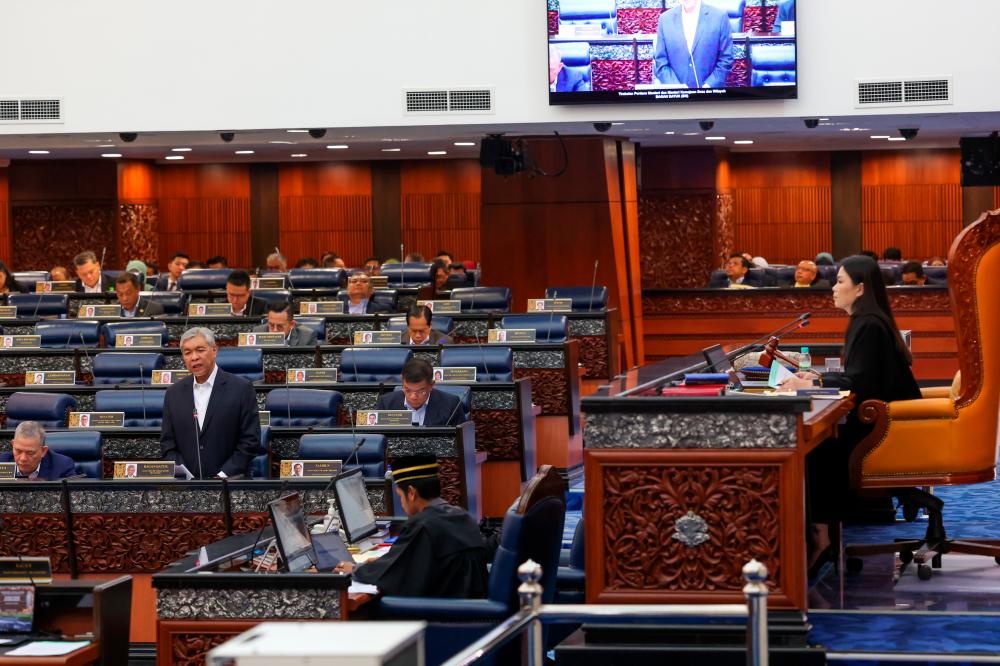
(876, 366)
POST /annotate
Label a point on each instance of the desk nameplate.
(321, 307)
(100, 311)
(506, 335)
(97, 420)
(144, 469)
(306, 469)
(443, 306)
(311, 375)
(550, 305)
(20, 341)
(55, 287)
(385, 417)
(209, 310)
(50, 378)
(454, 374)
(168, 377)
(261, 339)
(377, 337)
(131, 341)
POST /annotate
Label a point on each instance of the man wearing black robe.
(439, 553)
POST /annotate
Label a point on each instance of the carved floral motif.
(675, 239)
(192, 649)
(144, 542)
(36, 534)
(497, 433)
(548, 389)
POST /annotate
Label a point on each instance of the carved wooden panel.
(139, 232)
(451, 481)
(36, 534)
(497, 433)
(249, 522)
(191, 649)
(593, 356)
(548, 389)
(135, 543)
(676, 239)
(51, 235)
(739, 302)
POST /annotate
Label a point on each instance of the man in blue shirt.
(359, 295)
(694, 46)
(33, 458)
(428, 406)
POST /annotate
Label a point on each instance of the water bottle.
(805, 360)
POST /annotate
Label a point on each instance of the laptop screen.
(291, 533)
(356, 514)
(17, 609)
(716, 358)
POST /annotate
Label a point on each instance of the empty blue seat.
(938, 274)
(303, 408)
(891, 272)
(68, 333)
(361, 364)
(548, 327)
(202, 279)
(316, 278)
(828, 273)
(386, 297)
(49, 409)
(247, 362)
(39, 305)
(270, 296)
(26, 280)
(407, 275)
(370, 456)
(143, 409)
(785, 275)
(585, 299)
(173, 302)
(772, 64)
(83, 446)
(570, 579)
(126, 367)
(260, 464)
(317, 324)
(113, 329)
(493, 364)
(483, 299)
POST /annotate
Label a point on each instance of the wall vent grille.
(904, 92)
(463, 100)
(31, 110)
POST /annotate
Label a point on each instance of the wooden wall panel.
(6, 233)
(440, 207)
(325, 207)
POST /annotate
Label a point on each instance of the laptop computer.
(357, 518)
(298, 548)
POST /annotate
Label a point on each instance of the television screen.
(356, 514)
(670, 50)
(294, 542)
(17, 609)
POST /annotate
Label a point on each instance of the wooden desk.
(89, 654)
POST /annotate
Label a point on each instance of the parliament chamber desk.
(682, 491)
(678, 322)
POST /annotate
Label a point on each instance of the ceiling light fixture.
(337, 146)
(181, 150)
(297, 131)
(881, 136)
(743, 142)
(391, 150)
(465, 143)
(897, 138)
(283, 143)
(671, 133)
(106, 145)
(111, 154)
(244, 152)
(715, 138)
(300, 155)
(174, 157)
(437, 152)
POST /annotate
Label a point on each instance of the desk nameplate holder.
(380, 281)
(385, 417)
(97, 420)
(136, 340)
(8, 470)
(251, 339)
(20, 342)
(55, 287)
(311, 375)
(167, 377)
(310, 469)
(265, 418)
(443, 306)
(550, 305)
(454, 374)
(26, 569)
(144, 469)
(8, 312)
(50, 378)
(377, 337)
(505, 335)
(321, 307)
(209, 310)
(91, 311)
(267, 283)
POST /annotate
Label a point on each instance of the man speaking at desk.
(428, 406)
(694, 46)
(210, 419)
(34, 459)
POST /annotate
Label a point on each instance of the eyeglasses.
(416, 392)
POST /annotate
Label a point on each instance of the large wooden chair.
(949, 436)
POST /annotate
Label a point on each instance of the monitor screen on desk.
(356, 514)
(17, 609)
(717, 359)
(291, 533)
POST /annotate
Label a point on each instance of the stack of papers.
(47, 648)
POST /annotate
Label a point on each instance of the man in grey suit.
(418, 328)
(694, 46)
(281, 320)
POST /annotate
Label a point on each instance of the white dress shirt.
(690, 22)
(96, 289)
(202, 394)
(417, 414)
(360, 308)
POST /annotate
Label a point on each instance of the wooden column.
(263, 211)
(386, 227)
(845, 203)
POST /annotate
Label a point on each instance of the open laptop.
(298, 548)
(718, 361)
(357, 518)
(17, 613)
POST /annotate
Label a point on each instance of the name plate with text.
(377, 337)
(321, 307)
(8, 470)
(380, 282)
(265, 418)
(8, 312)
(55, 287)
(168, 377)
(144, 469)
(267, 283)
(50, 378)
(261, 340)
(311, 375)
(97, 419)
(511, 335)
(443, 306)
(138, 340)
(550, 305)
(385, 417)
(307, 469)
(25, 569)
(209, 310)
(20, 341)
(456, 374)
(99, 311)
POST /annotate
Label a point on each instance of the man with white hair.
(210, 419)
(34, 460)
(277, 263)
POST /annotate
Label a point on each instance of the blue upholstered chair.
(785, 275)
(39, 305)
(407, 275)
(361, 364)
(548, 327)
(316, 278)
(83, 446)
(270, 296)
(141, 327)
(387, 297)
(126, 367)
(576, 60)
(585, 299)
(202, 279)
(828, 273)
(441, 323)
(772, 64)
(493, 364)
(317, 324)
(260, 464)
(303, 408)
(483, 299)
(246, 362)
(937, 274)
(590, 12)
(892, 272)
(173, 302)
(26, 280)
(460, 391)
(68, 333)
(143, 408)
(370, 455)
(570, 579)
(734, 8)
(532, 529)
(49, 409)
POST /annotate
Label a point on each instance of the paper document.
(779, 373)
(182, 470)
(361, 588)
(47, 648)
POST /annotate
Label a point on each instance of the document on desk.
(361, 588)
(47, 648)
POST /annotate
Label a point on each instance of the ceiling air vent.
(464, 100)
(31, 110)
(903, 92)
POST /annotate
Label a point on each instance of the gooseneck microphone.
(593, 288)
(197, 442)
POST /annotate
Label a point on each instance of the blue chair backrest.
(83, 446)
(360, 364)
(303, 408)
(412, 274)
(785, 274)
(143, 408)
(126, 367)
(41, 305)
(938, 273)
(548, 327)
(772, 63)
(493, 364)
(49, 409)
(370, 456)
(483, 299)
(317, 324)
(113, 329)
(387, 297)
(247, 362)
(173, 302)
(828, 273)
(734, 8)
(68, 333)
(590, 12)
(537, 534)
(259, 465)
(460, 391)
(892, 272)
(26, 280)
(577, 552)
(273, 295)
(316, 278)
(201, 279)
(585, 299)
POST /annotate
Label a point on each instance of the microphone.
(552, 317)
(38, 302)
(187, 316)
(453, 412)
(142, 393)
(801, 322)
(83, 348)
(694, 67)
(482, 356)
(197, 442)
(354, 452)
(593, 287)
(479, 272)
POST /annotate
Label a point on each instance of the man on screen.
(694, 46)
(563, 79)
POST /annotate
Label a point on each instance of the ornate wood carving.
(50, 235)
(497, 433)
(109, 542)
(36, 534)
(451, 481)
(875, 413)
(739, 302)
(191, 649)
(638, 20)
(593, 356)
(139, 231)
(249, 522)
(548, 389)
(676, 239)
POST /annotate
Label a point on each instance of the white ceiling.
(368, 143)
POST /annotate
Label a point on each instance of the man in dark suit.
(281, 320)
(913, 275)
(89, 278)
(241, 301)
(428, 406)
(736, 275)
(418, 328)
(178, 264)
(33, 458)
(805, 277)
(694, 46)
(210, 419)
(359, 295)
(127, 290)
